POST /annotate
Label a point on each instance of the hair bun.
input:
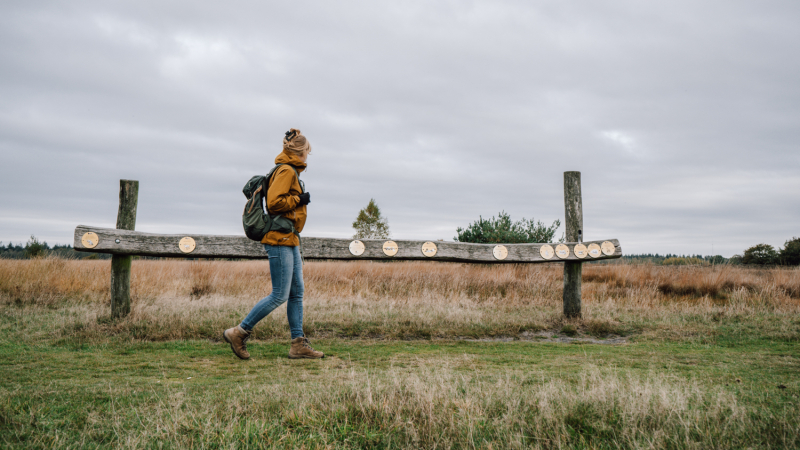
(295, 142)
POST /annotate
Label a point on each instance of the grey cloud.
(681, 116)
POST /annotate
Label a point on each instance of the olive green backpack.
(256, 222)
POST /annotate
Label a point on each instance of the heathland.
(419, 355)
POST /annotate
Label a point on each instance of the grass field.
(420, 355)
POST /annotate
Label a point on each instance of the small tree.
(35, 249)
(761, 254)
(503, 230)
(790, 253)
(369, 223)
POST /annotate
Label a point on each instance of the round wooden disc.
(429, 249)
(90, 240)
(594, 250)
(580, 251)
(500, 252)
(390, 248)
(357, 248)
(608, 248)
(546, 251)
(186, 245)
(562, 251)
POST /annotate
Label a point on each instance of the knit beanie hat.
(295, 142)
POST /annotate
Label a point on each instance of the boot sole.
(305, 357)
(224, 336)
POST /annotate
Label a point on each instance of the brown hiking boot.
(237, 337)
(301, 349)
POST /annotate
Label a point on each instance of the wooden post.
(573, 215)
(121, 264)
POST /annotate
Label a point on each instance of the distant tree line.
(671, 259)
(767, 255)
(35, 248)
(757, 255)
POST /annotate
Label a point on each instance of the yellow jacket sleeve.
(283, 191)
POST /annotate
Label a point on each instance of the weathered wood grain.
(128, 204)
(573, 222)
(211, 246)
(121, 264)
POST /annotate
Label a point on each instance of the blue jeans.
(286, 271)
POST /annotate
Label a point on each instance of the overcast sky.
(683, 117)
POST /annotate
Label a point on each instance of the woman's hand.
(305, 198)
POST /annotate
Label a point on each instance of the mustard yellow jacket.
(283, 198)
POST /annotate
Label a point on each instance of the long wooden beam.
(124, 242)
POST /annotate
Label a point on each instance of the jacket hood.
(292, 160)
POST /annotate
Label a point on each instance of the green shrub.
(790, 253)
(761, 255)
(503, 230)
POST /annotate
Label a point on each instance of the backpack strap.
(272, 172)
(269, 176)
(277, 217)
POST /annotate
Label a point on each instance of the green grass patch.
(400, 394)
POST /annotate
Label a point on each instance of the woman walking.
(286, 197)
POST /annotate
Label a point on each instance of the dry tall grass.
(179, 299)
